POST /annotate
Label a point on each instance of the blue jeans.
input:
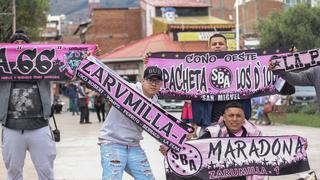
(117, 158)
(74, 105)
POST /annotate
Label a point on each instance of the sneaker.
(88, 122)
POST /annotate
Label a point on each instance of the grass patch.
(299, 119)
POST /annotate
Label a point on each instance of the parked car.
(304, 95)
(171, 104)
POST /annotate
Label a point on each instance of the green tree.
(298, 26)
(30, 16)
(5, 20)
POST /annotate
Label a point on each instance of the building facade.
(113, 27)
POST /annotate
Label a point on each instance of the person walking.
(99, 103)
(72, 92)
(83, 104)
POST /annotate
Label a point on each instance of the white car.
(171, 104)
(304, 95)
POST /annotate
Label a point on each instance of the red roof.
(153, 43)
(177, 3)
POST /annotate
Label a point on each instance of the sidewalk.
(78, 155)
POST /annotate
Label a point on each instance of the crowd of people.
(119, 137)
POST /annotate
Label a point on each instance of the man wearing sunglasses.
(120, 137)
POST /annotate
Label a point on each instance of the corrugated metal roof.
(191, 23)
(153, 43)
(178, 3)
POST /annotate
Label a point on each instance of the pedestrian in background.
(259, 103)
(83, 104)
(271, 102)
(99, 103)
(72, 92)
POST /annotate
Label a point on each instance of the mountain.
(78, 11)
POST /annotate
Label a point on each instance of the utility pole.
(237, 26)
(14, 16)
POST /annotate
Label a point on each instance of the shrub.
(293, 108)
(309, 109)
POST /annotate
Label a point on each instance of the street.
(78, 155)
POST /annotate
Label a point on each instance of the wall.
(111, 28)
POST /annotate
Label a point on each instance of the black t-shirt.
(25, 108)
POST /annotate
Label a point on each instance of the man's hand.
(271, 66)
(190, 136)
(294, 49)
(145, 57)
(163, 149)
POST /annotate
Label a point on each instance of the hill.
(77, 10)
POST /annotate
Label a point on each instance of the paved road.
(78, 153)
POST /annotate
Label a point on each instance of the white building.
(53, 28)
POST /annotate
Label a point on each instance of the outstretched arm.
(303, 78)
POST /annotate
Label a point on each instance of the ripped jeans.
(116, 158)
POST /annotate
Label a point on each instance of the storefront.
(130, 70)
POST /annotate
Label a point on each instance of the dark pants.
(74, 105)
(100, 109)
(84, 114)
(84, 110)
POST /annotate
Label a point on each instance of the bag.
(56, 131)
(56, 135)
(267, 108)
